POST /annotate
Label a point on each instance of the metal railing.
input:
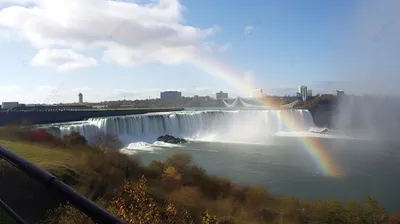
(11, 213)
(94, 211)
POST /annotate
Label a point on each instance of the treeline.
(327, 100)
(205, 101)
(177, 190)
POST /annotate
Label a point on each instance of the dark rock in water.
(324, 131)
(171, 139)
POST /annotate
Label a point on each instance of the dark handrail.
(11, 212)
(91, 209)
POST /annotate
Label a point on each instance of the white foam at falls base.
(135, 147)
(166, 145)
(211, 125)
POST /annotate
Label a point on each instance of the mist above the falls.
(373, 116)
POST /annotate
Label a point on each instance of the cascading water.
(216, 125)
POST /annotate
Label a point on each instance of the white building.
(256, 93)
(303, 93)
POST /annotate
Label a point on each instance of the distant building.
(302, 90)
(256, 93)
(221, 95)
(170, 95)
(309, 93)
(339, 92)
(99, 106)
(80, 97)
(9, 105)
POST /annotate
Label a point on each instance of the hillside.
(172, 191)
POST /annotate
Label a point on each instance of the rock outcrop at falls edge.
(171, 139)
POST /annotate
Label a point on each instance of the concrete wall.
(48, 117)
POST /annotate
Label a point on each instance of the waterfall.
(246, 125)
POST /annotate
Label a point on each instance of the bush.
(66, 214)
(172, 179)
(12, 132)
(106, 142)
(106, 172)
(74, 139)
(40, 135)
(134, 206)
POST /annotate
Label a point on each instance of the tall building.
(309, 93)
(221, 95)
(170, 95)
(80, 95)
(302, 90)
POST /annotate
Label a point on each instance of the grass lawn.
(59, 162)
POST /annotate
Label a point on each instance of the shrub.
(180, 161)
(40, 135)
(106, 172)
(208, 219)
(394, 219)
(74, 139)
(172, 178)
(12, 132)
(155, 169)
(134, 206)
(256, 197)
(66, 214)
(106, 142)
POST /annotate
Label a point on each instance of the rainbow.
(321, 157)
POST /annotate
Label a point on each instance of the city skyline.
(56, 50)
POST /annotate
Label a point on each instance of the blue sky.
(59, 48)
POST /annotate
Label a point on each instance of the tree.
(74, 139)
(172, 178)
(114, 104)
(106, 141)
(180, 161)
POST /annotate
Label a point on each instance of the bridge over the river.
(240, 103)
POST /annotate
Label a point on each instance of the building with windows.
(339, 93)
(302, 93)
(309, 93)
(256, 93)
(170, 95)
(221, 95)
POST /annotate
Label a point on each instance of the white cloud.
(22, 2)
(225, 48)
(130, 32)
(248, 30)
(62, 60)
